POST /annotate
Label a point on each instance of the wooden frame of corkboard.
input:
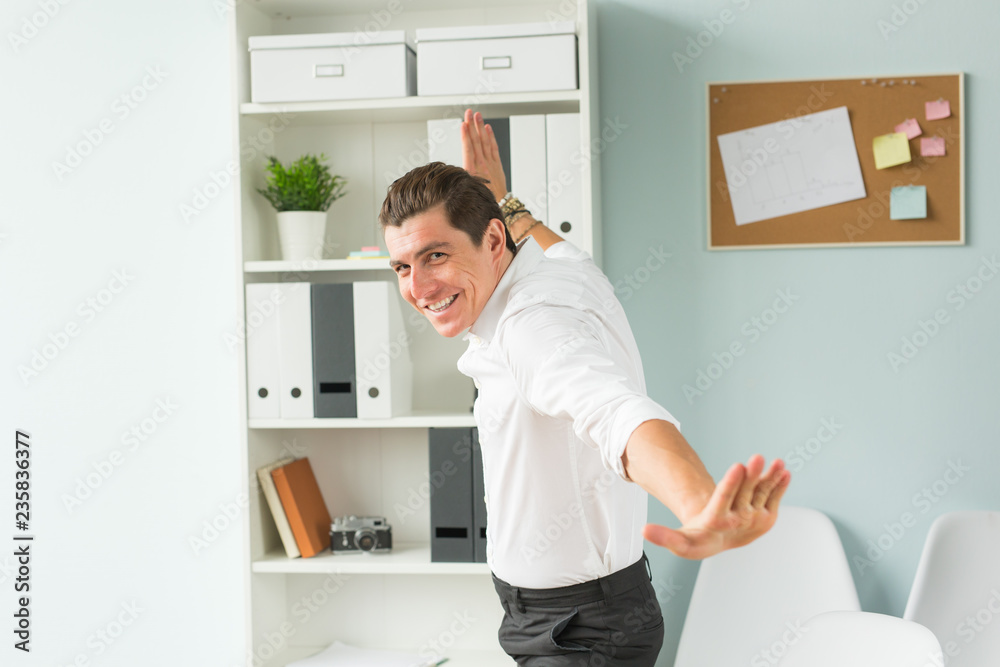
(875, 106)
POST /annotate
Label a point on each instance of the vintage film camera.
(360, 533)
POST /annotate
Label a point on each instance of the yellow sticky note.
(891, 149)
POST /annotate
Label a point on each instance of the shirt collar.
(527, 257)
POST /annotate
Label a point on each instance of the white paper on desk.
(791, 166)
(343, 655)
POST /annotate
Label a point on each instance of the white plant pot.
(302, 234)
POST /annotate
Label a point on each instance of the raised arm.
(481, 157)
(714, 517)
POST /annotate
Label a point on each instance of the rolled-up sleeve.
(566, 364)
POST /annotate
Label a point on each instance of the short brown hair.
(468, 203)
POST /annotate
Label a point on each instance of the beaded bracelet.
(512, 204)
(514, 217)
(509, 218)
(530, 227)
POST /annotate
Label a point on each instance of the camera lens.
(365, 539)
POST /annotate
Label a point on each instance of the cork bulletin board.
(875, 106)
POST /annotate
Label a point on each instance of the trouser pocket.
(560, 628)
(548, 632)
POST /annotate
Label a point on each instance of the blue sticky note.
(908, 202)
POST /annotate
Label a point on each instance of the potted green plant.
(301, 194)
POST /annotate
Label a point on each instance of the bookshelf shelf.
(315, 266)
(414, 108)
(405, 558)
(495, 658)
(415, 420)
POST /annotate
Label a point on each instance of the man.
(571, 443)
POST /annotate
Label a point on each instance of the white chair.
(862, 639)
(751, 602)
(956, 591)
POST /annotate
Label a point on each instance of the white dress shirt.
(561, 389)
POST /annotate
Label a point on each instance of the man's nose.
(422, 283)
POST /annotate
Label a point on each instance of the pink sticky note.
(932, 146)
(369, 248)
(937, 110)
(910, 127)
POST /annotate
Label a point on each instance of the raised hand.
(743, 507)
(480, 154)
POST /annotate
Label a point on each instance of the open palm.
(480, 153)
(743, 507)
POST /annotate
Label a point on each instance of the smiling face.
(441, 272)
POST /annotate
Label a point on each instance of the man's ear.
(496, 236)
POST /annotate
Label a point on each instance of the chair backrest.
(863, 639)
(749, 603)
(956, 591)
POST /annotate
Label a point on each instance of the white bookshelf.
(365, 466)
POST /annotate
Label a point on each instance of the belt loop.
(517, 600)
(606, 589)
(649, 570)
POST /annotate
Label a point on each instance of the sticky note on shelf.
(910, 127)
(908, 202)
(890, 150)
(937, 110)
(932, 146)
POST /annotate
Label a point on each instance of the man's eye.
(401, 267)
(437, 255)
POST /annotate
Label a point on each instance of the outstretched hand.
(743, 507)
(480, 153)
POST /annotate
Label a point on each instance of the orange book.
(304, 506)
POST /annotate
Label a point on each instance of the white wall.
(110, 229)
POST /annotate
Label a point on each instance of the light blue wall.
(826, 358)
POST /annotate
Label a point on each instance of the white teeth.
(441, 305)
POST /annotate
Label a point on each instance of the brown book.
(304, 506)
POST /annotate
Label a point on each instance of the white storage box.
(496, 58)
(331, 66)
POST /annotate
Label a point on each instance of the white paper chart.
(791, 166)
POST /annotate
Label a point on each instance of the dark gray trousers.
(610, 621)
